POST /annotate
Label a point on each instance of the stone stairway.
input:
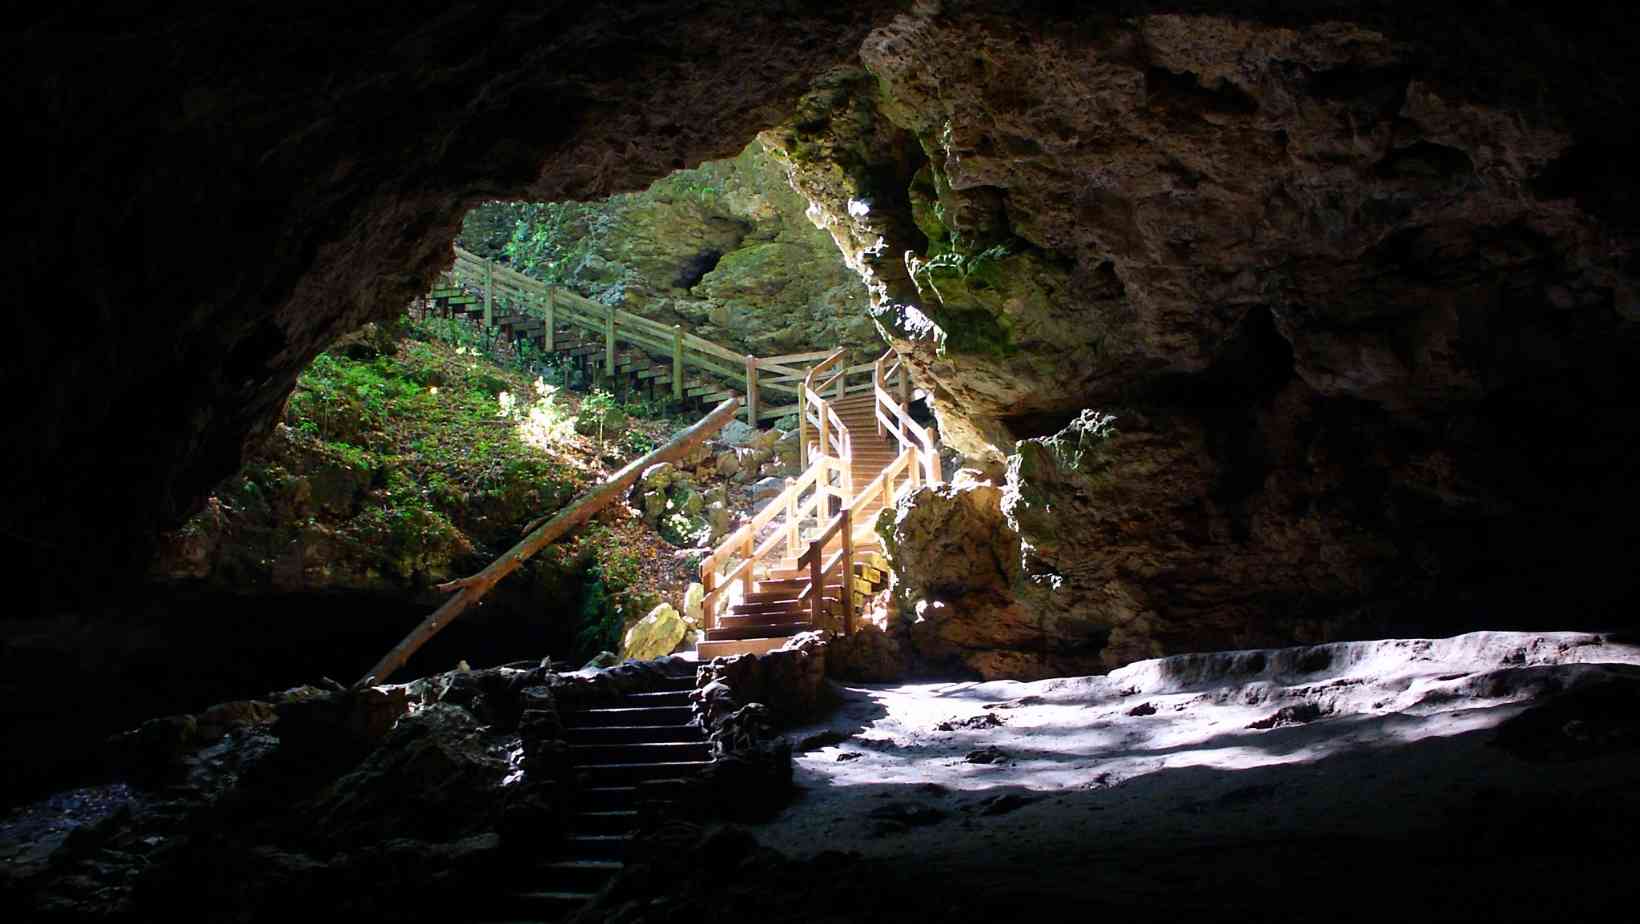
(779, 605)
(630, 758)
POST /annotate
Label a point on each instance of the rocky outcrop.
(1358, 326)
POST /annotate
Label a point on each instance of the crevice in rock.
(1185, 94)
(695, 268)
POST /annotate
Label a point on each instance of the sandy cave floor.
(1386, 775)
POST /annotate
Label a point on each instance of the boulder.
(694, 599)
(657, 634)
(728, 463)
(737, 433)
(766, 489)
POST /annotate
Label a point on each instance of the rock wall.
(1356, 286)
(725, 249)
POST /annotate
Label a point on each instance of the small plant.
(598, 410)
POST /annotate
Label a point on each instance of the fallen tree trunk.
(469, 589)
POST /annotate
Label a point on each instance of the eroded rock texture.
(206, 199)
(1358, 286)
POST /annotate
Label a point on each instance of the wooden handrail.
(892, 416)
(535, 298)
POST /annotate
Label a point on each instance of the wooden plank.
(751, 390)
(775, 413)
(788, 358)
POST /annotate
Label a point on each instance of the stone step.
(536, 905)
(632, 734)
(606, 798)
(675, 682)
(673, 697)
(614, 774)
(628, 715)
(637, 753)
(594, 846)
(574, 875)
(614, 821)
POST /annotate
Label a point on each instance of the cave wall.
(208, 197)
(1358, 286)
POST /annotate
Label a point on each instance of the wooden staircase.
(866, 453)
(632, 760)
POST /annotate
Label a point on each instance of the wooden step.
(756, 630)
(771, 596)
(793, 613)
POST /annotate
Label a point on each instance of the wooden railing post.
(792, 538)
(549, 343)
(821, 443)
(748, 550)
(709, 583)
(847, 594)
(677, 362)
(802, 426)
(489, 293)
(751, 389)
(609, 342)
(816, 552)
(905, 386)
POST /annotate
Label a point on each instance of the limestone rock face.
(1359, 326)
(961, 585)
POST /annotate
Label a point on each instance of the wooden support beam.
(468, 590)
(609, 343)
(751, 389)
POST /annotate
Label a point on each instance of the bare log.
(469, 589)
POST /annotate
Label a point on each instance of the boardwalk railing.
(509, 292)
